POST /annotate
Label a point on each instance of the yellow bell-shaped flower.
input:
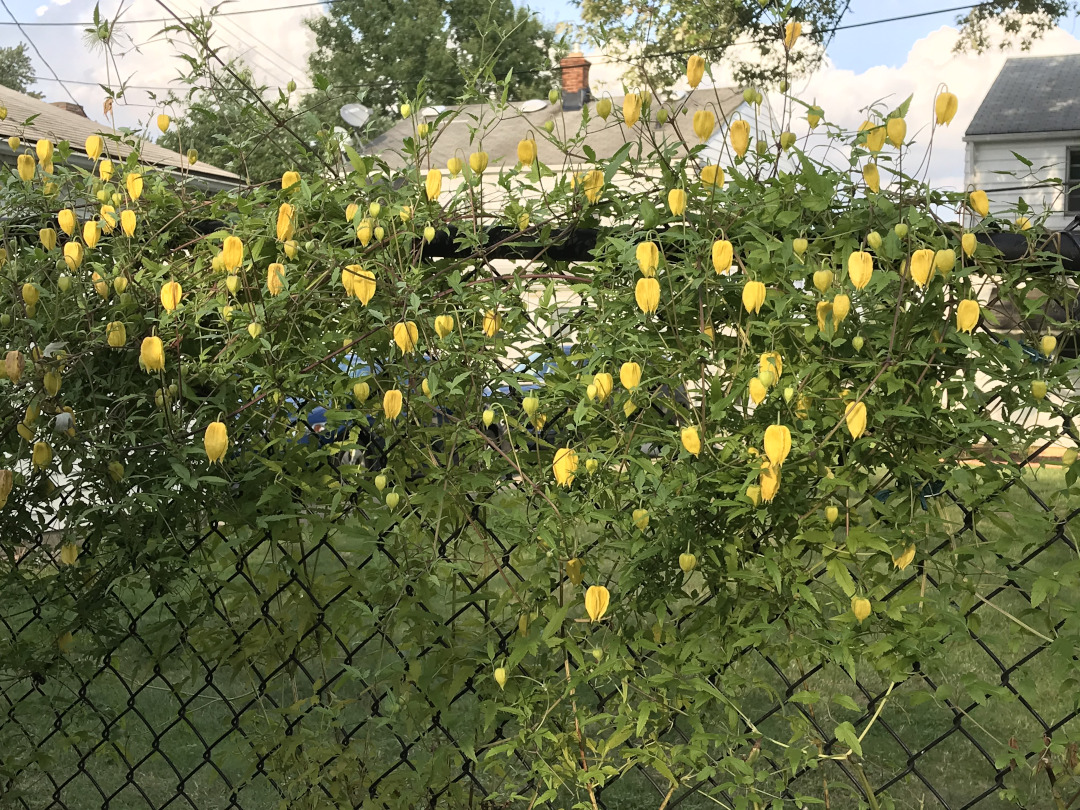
(603, 383)
(691, 440)
(593, 185)
(232, 252)
(95, 146)
(26, 166)
(391, 404)
(704, 124)
(433, 184)
(872, 177)
(723, 256)
(564, 466)
(444, 325)
(492, 323)
(979, 202)
(42, 455)
(945, 106)
(478, 162)
(922, 266)
(116, 334)
(630, 375)
(768, 483)
(364, 283)
(216, 441)
(597, 600)
(647, 294)
(91, 233)
(896, 129)
(695, 70)
(275, 278)
(128, 222)
(603, 108)
(454, 165)
(286, 222)
(967, 315)
(73, 255)
(67, 221)
(855, 418)
(152, 354)
(631, 109)
(676, 200)
(841, 307)
(289, 179)
(406, 336)
(860, 606)
(105, 170)
(753, 296)
(968, 243)
(792, 31)
(526, 151)
(777, 444)
(648, 258)
(171, 293)
(739, 135)
(875, 136)
(860, 267)
(48, 238)
(712, 175)
(163, 122)
(134, 183)
(44, 149)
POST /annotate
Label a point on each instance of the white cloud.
(41, 10)
(61, 2)
(844, 94)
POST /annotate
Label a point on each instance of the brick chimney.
(575, 80)
(70, 107)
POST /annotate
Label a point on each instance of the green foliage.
(16, 69)
(332, 635)
(384, 50)
(224, 117)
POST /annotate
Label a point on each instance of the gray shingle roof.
(1031, 94)
(58, 124)
(502, 136)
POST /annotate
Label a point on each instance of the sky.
(889, 61)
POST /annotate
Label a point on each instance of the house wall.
(991, 165)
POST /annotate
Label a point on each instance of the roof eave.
(200, 180)
(1061, 134)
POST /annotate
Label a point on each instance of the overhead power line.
(170, 20)
(556, 68)
(26, 36)
(291, 6)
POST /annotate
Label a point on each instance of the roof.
(58, 124)
(1031, 94)
(500, 139)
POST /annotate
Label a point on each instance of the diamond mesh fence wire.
(255, 666)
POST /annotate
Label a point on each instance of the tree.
(224, 119)
(16, 70)
(384, 49)
(662, 33)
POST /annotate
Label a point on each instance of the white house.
(1024, 141)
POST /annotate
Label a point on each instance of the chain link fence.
(253, 667)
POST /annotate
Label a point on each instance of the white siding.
(991, 166)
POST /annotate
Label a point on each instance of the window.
(1072, 181)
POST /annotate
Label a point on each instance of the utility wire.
(556, 68)
(170, 20)
(291, 6)
(26, 36)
